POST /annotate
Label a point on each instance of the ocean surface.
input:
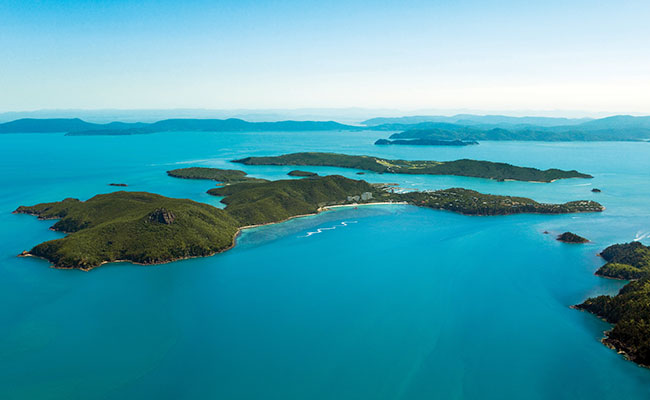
(379, 302)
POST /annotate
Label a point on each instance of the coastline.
(232, 245)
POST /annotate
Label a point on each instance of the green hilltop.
(266, 202)
(135, 226)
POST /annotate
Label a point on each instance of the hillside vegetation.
(215, 174)
(629, 310)
(625, 261)
(470, 202)
(261, 203)
(135, 226)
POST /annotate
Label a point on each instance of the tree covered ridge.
(464, 167)
(629, 310)
(215, 174)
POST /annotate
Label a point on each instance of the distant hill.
(465, 127)
(470, 119)
(78, 127)
(622, 127)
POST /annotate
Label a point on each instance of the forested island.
(470, 168)
(213, 174)
(629, 310)
(302, 174)
(570, 237)
(147, 228)
(139, 227)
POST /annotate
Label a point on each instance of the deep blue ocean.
(379, 302)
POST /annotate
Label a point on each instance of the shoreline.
(323, 209)
(234, 241)
(241, 229)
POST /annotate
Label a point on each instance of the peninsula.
(147, 228)
(628, 311)
(470, 168)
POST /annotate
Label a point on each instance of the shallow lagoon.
(394, 302)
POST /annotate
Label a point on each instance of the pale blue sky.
(496, 55)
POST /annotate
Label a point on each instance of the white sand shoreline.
(364, 204)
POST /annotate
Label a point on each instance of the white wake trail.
(641, 235)
(321, 230)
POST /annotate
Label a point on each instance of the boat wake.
(321, 230)
(641, 235)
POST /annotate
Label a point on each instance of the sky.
(592, 56)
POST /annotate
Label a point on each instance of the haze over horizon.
(443, 55)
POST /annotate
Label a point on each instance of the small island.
(570, 237)
(213, 174)
(425, 142)
(147, 228)
(628, 311)
(596, 190)
(303, 174)
(470, 168)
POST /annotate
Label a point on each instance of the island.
(470, 168)
(470, 202)
(213, 174)
(426, 142)
(570, 237)
(628, 311)
(596, 190)
(304, 174)
(147, 228)
(140, 227)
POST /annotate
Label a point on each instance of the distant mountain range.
(620, 127)
(78, 127)
(470, 119)
(464, 127)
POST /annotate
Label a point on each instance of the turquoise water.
(395, 302)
